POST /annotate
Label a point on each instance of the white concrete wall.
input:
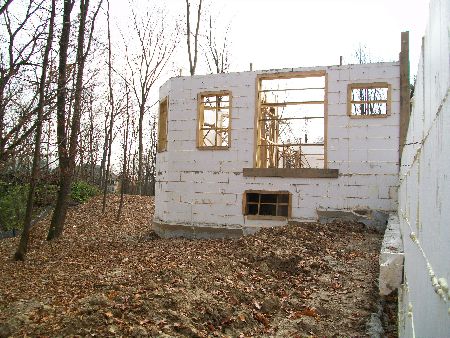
(424, 194)
(206, 187)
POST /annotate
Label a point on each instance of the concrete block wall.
(424, 193)
(203, 187)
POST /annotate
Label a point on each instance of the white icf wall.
(424, 193)
(198, 187)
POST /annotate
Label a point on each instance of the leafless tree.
(155, 46)
(59, 212)
(124, 178)
(23, 244)
(67, 154)
(217, 54)
(5, 6)
(112, 111)
(18, 90)
(192, 53)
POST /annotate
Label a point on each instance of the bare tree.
(67, 154)
(124, 177)
(59, 212)
(18, 92)
(155, 47)
(23, 244)
(5, 6)
(217, 54)
(112, 113)
(192, 53)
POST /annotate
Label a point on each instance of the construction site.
(243, 151)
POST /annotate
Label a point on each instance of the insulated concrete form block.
(383, 72)
(382, 155)
(333, 99)
(340, 132)
(358, 72)
(337, 87)
(344, 74)
(303, 213)
(242, 122)
(338, 118)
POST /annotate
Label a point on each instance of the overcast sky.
(295, 33)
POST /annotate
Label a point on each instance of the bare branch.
(5, 6)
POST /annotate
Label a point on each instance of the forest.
(79, 102)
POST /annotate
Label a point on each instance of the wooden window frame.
(266, 217)
(200, 117)
(163, 125)
(369, 85)
(289, 75)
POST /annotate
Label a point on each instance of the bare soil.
(109, 278)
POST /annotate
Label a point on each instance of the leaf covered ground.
(109, 278)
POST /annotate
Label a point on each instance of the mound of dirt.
(117, 278)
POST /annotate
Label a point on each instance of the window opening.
(291, 125)
(214, 120)
(368, 99)
(267, 203)
(162, 125)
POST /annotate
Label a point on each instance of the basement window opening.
(162, 125)
(214, 120)
(291, 121)
(265, 204)
(368, 99)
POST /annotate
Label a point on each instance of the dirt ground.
(108, 278)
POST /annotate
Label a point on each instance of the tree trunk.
(105, 142)
(5, 6)
(140, 146)
(124, 164)
(66, 182)
(111, 121)
(23, 244)
(192, 59)
(61, 120)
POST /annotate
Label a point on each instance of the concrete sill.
(266, 217)
(290, 172)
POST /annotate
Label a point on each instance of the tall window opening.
(290, 124)
(214, 120)
(162, 125)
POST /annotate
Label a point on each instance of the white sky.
(295, 33)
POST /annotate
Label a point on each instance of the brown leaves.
(108, 278)
(308, 311)
(261, 318)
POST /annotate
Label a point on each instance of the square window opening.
(368, 100)
(265, 203)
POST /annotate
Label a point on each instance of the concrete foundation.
(202, 231)
(372, 219)
(391, 258)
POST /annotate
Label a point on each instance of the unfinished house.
(241, 151)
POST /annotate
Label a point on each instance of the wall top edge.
(286, 70)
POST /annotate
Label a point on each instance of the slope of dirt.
(108, 278)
